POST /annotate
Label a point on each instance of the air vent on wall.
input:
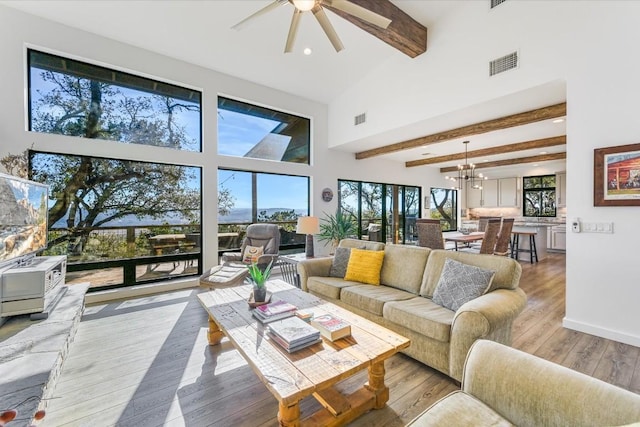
(505, 63)
(359, 119)
(495, 3)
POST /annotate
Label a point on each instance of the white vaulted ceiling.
(199, 32)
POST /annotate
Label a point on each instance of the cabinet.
(489, 193)
(508, 192)
(561, 189)
(495, 193)
(474, 197)
(559, 238)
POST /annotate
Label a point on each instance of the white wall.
(19, 30)
(587, 44)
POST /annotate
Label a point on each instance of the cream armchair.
(502, 386)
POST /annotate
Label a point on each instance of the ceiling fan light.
(304, 5)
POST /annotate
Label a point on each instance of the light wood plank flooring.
(146, 362)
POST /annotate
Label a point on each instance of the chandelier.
(467, 172)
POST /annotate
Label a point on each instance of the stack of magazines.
(276, 310)
(293, 334)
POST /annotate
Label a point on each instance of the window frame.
(266, 113)
(168, 89)
(402, 225)
(129, 264)
(454, 220)
(539, 190)
(255, 210)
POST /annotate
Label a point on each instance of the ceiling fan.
(315, 6)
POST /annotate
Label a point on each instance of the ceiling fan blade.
(359, 12)
(263, 11)
(293, 30)
(324, 22)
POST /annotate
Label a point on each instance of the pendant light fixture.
(467, 172)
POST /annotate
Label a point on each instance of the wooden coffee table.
(310, 371)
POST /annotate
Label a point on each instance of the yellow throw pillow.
(252, 254)
(364, 266)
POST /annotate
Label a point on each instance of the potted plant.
(258, 278)
(336, 227)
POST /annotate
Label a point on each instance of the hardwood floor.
(146, 362)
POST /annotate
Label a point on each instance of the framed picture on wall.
(616, 176)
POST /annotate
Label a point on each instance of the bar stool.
(515, 245)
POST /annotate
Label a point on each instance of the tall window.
(246, 130)
(384, 212)
(70, 97)
(121, 222)
(539, 194)
(249, 197)
(444, 206)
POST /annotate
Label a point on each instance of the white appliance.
(25, 285)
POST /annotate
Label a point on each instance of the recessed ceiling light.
(558, 121)
(485, 161)
(307, 51)
(543, 152)
(535, 165)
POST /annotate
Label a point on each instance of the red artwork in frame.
(616, 176)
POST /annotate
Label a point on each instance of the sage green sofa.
(440, 337)
(502, 386)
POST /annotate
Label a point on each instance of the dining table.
(467, 239)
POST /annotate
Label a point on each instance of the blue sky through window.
(275, 192)
(188, 120)
(238, 133)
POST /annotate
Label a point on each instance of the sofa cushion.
(460, 283)
(459, 409)
(372, 298)
(403, 267)
(340, 262)
(422, 316)
(361, 244)
(507, 270)
(364, 266)
(328, 287)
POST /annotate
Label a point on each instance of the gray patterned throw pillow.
(340, 262)
(460, 283)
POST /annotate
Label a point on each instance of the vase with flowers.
(258, 278)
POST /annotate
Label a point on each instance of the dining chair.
(489, 239)
(504, 238)
(490, 236)
(484, 220)
(430, 233)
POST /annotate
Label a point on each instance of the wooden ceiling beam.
(509, 148)
(404, 33)
(508, 162)
(550, 112)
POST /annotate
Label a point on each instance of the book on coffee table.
(291, 349)
(276, 310)
(331, 327)
(293, 333)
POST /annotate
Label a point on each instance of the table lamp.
(308, 225)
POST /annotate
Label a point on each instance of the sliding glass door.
(383, 212)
